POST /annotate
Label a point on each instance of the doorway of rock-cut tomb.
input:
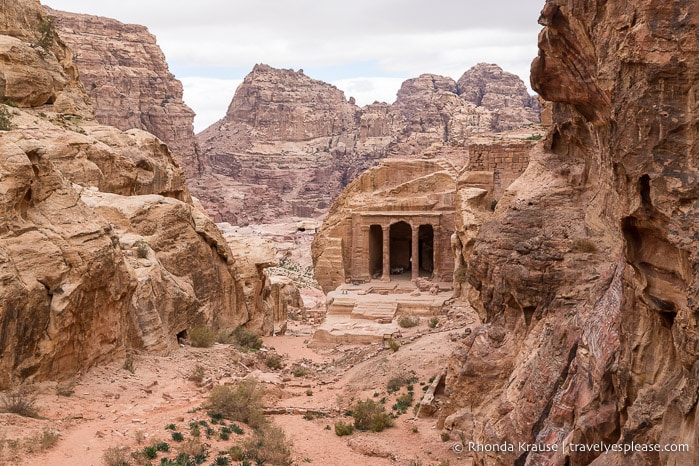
(375, 251)
(425, 237)
(400, 247)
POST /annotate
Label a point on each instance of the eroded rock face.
(36, 68)
(125, 73)
(586, 278)
(289, 143)
(101, 248)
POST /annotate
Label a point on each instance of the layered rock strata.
(586, 278)
(126, 76)
(101, 248)
(289, 144)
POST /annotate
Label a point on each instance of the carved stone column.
(415, 254)
(386, 277)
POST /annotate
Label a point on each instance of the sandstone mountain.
(126, 76)
(289, 144)
(101, 248)
(586, 278)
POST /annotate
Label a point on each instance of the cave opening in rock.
(182, 336)
(375, 250)
(400, 247)
(426, 249)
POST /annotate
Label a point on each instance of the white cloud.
(368, 90)
(209, 98)
(332, 41)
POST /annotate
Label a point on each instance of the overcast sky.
(364, 47)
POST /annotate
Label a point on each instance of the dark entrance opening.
(375, 251)
(401, 250)
(425, 237)
(182, 337)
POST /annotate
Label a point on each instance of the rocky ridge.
(126, 76)
(586, 277)
(102, 250)
(289, 143)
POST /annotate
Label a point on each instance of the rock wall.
(128, 81)
(289, 144)
(586, 277)
(101, 247)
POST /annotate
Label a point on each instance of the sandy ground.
(111, 407)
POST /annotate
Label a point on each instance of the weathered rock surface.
(289, 143)
(127, 78)
(101, 247)
(36, 68)
(587, 276)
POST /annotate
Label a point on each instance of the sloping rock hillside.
(289, 144)
(126, 76)
(587, 277)
(101, 247)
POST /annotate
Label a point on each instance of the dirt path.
(111, 407)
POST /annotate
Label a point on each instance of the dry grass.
(241, 402)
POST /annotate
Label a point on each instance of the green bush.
(177, 436)
(150, 452)
(343, 428)
(201, 337)
(407, 321)
(273, 361)
(242, 402)
(247, 339)
(369, 415)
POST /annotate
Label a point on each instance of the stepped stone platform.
(368, 312)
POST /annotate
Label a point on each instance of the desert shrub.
(201, 337)
(20, 401)
(407, 321)
(394, 345)
(162, 446)
(150, 452)
(369, 415)
(247, 339)
(273, 361)
(141, 249)
(116, 456)
(433, 322)
(129, 363)
(177, 436)
(343, 428)
(445, 436)
(268, 445)
(197, 374)
(299, 371)
(397, 381)
(583, 245)
(65, 390)
(236, 429)
(5, 119)
(403, 402)
(43, 441)
(242, 402)
(47, 29)
(460, 274)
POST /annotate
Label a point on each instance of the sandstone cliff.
(587, 277)
(128, 81)
(101, 247)
(289, 143)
